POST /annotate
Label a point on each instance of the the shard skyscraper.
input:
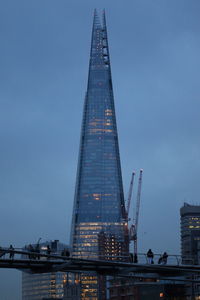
(99, 224)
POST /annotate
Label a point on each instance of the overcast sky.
(44, 55)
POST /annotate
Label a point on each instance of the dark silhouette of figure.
(150, 256)
(37, 250)
(164, 258)
(66, 253)
(160, 260)
(135, 258)
(30, 249)
(11, 249)
(2, 253)
(48, 250)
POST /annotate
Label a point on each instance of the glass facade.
(43, 286)
(190, 244)
(47, 285)
(190, 233)
(99, 217)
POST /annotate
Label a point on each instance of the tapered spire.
(99, 55)
(99, 213)
(96, 22)
(104, 19)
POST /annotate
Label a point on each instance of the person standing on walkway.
(65, 252)
(150, 257)
(164, 258)
(11, 249)
(30, 249)
(48, 251)
(2, 253)
(37, 250)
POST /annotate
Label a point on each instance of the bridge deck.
(34, 262)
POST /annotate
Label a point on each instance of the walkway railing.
(43, 254)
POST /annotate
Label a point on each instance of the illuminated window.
(161, 295)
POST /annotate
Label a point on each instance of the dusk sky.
(44, 56)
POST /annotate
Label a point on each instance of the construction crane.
(130, 196)
(134, 226)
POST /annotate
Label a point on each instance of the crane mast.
(137, 212)
(134, 226)
(130, 195)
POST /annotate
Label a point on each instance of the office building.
(99, 217)
(47, 285)
(146, 289)
(190, 233)
(190, 243)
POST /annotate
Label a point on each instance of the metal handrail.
(172, 259)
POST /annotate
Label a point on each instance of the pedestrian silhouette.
(135, 258)
(11, 249)
(160, 259)
(37, 250)
(48, 250)
(30, 249)
(131, 257)
(164, 258)
(66, 253)
(2, 253)
(150, 257)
